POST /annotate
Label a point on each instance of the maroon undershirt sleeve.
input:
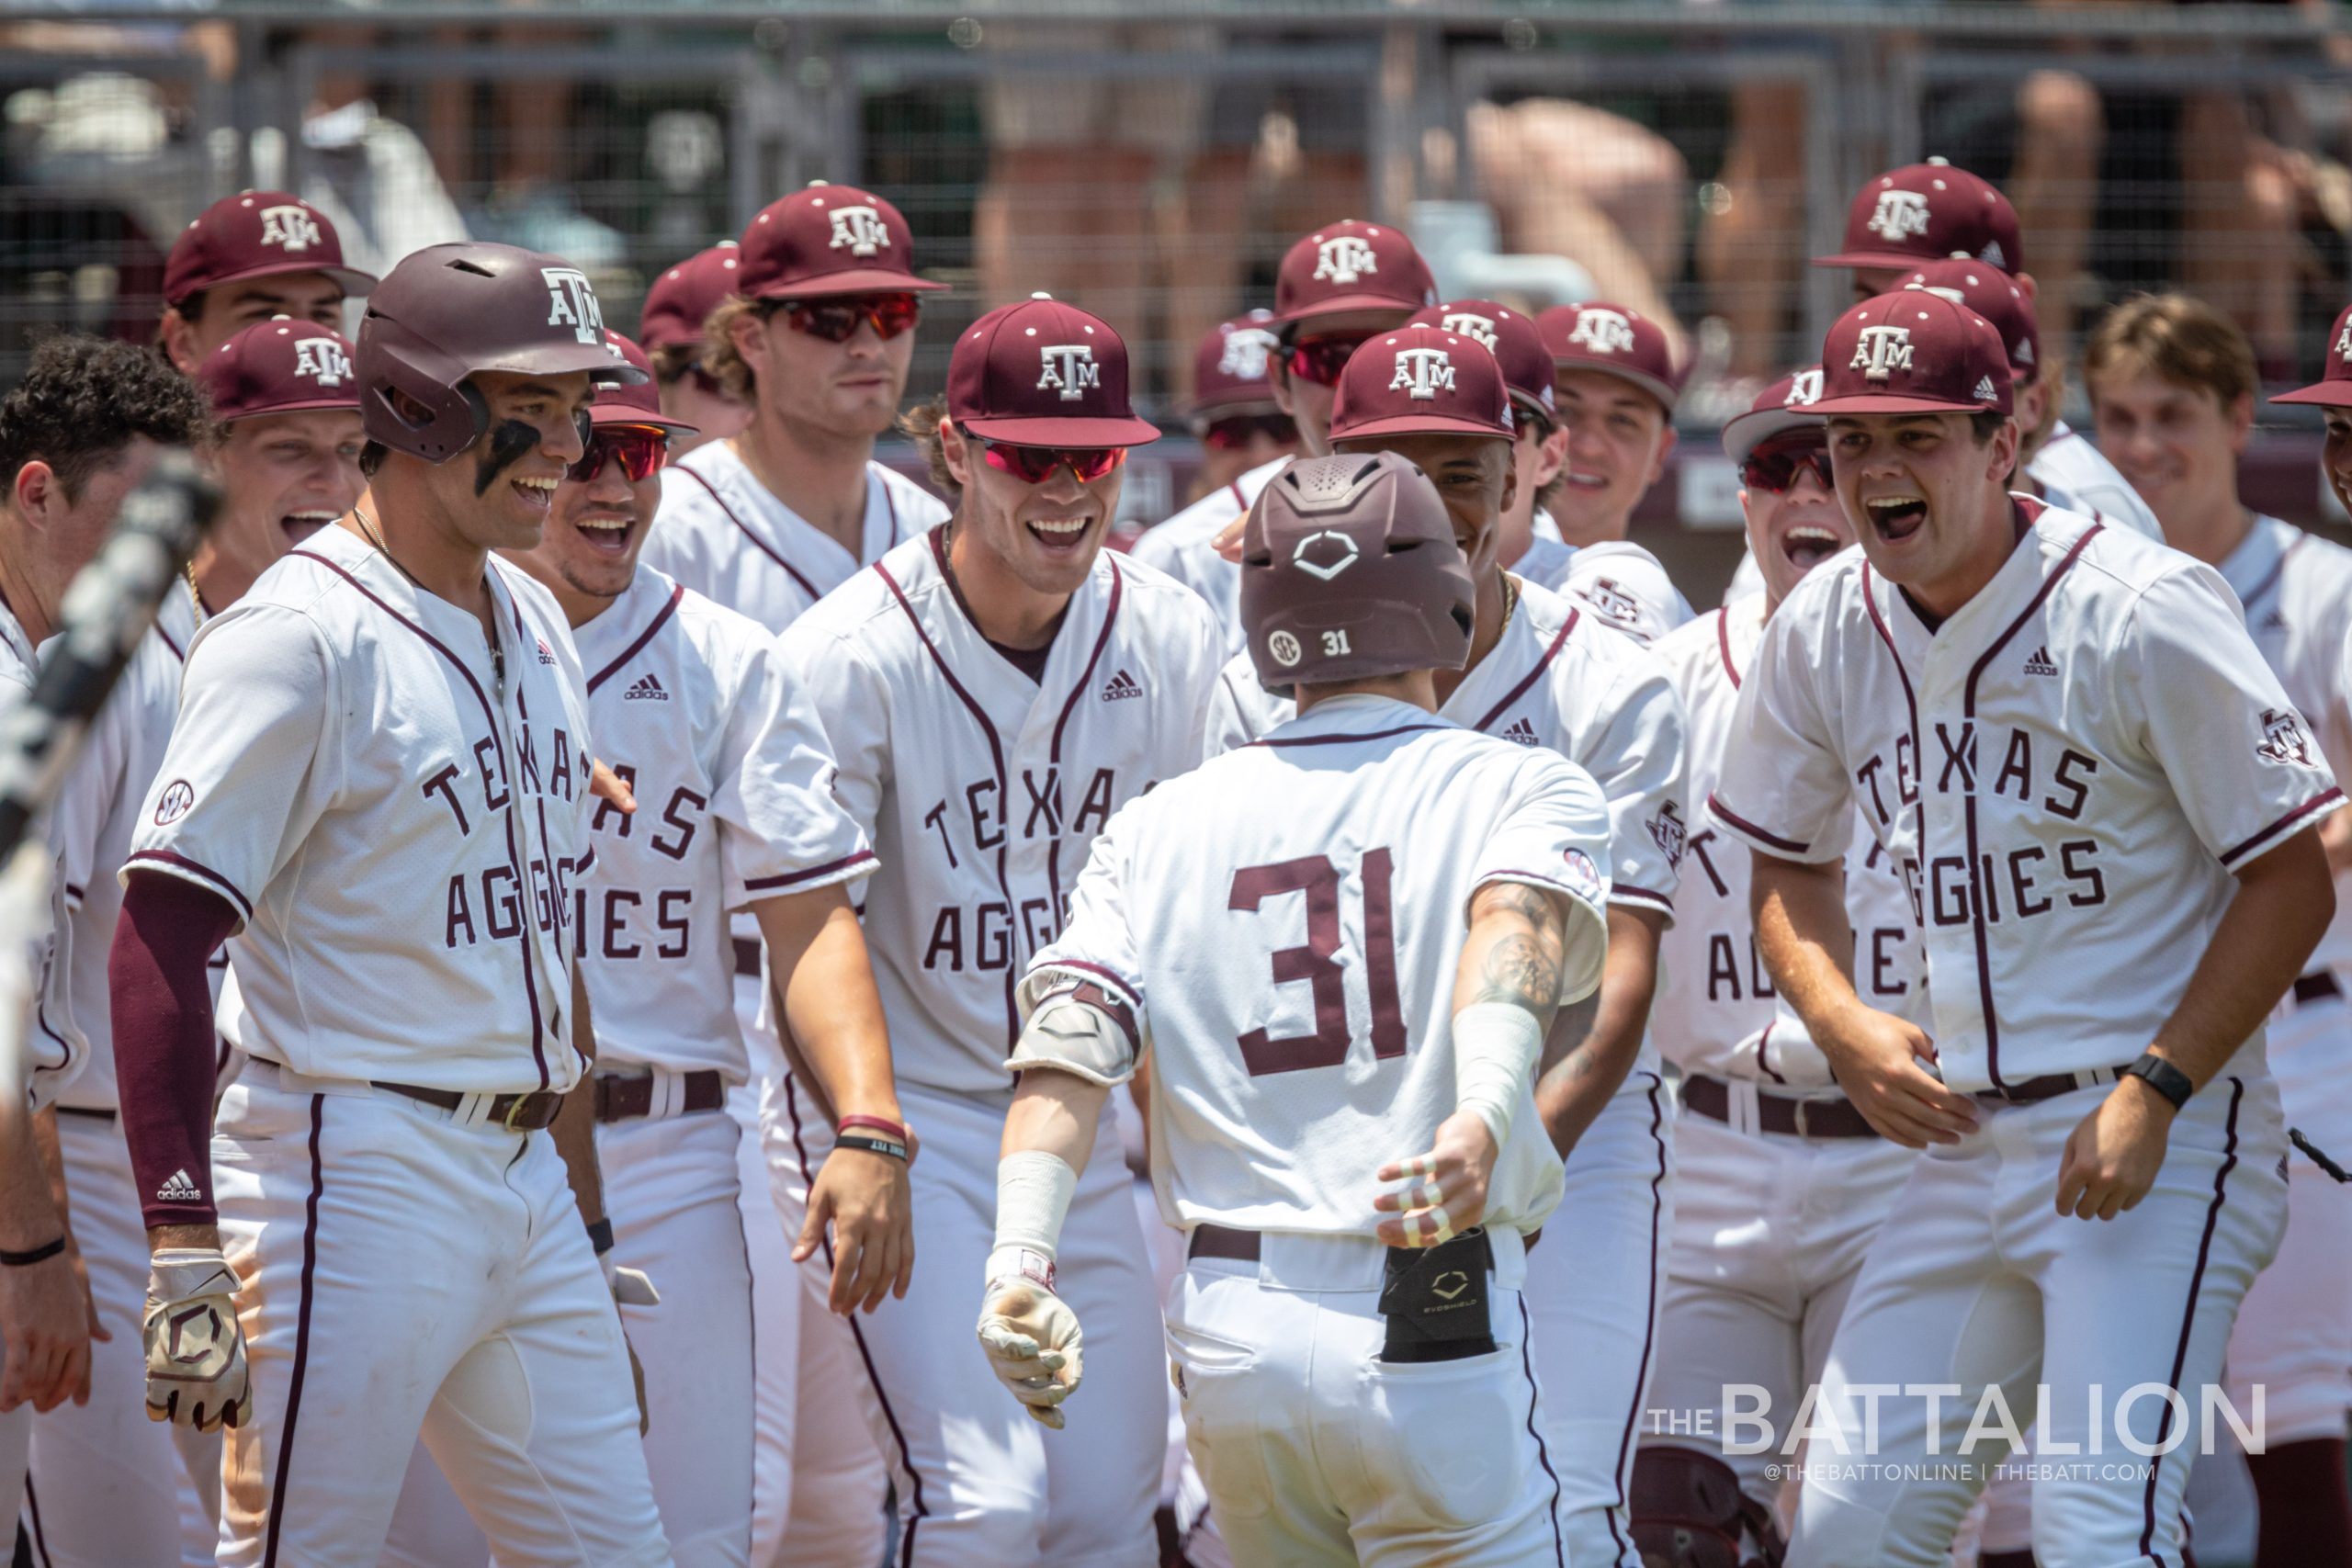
(164, 1061)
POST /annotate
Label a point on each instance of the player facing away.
(379, 786)
(994, 690)
(244, 259)
(1543, 672)
(2106, 807)
(1345, 999)
(1780, 1182)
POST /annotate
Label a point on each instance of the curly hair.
(921, 425)
(84, 398)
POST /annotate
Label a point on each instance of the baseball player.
(1780, 1182)
(1545, 672)
(246, 258)
(378, 786)
(1234, 415)
(671, 327)
(815, 337)
(108, 1485)
(1358, 1174)
(2172, 383)
(77, 436)
(1336, 287)
(993, 691)
(2071, 746)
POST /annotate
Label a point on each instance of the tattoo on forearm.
(1519, 969)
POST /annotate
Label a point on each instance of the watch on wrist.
(2162, 1077)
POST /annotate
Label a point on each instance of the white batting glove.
(1032, 1337)
(195, 1352)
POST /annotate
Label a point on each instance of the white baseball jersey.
(1556, 680)
(980, 788)
(2297, 591)
(1716, 1010)
(1625, 584)
(1280, 1080)
(2066, 770)
(352, 759)
(1183, 548)
(56, 1050)
(726, 535)
(2074, 476)
(693, 706)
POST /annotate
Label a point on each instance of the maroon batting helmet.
(1350, 569)
(450, 311)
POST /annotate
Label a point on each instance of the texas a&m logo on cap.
(1901, 214)
(1243, 356)
(1879, 352)
(571, 302)
(1470, 324)
(1805, 390)
(1070, 368)
(2282, 737)
(289, 228)
(1344, 258)
(2344, 341)
(323, 360)
(1422, 373)
(858, 230)
(1603, 332)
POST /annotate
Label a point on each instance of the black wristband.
(600, 1236)
(872, 1145)
(36, 1255)
(2162, 1077)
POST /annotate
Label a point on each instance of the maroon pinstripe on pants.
(301, 1340)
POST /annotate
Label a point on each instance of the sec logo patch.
(173, 804)
(1583, 875)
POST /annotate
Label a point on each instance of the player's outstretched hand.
(195, 1352)
(1034, 1345)
(1445, 1190)
(2113, 1154)
(1878, 1059)
(1227, 543)
(864, 1196)
(45, 1325)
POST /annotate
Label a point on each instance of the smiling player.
(244, 259)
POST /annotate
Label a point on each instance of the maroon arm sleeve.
(163, 1040)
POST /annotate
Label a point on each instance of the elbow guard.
(1079, 1027)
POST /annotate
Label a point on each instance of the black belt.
(1781, 1113)
(2317, 985)
(625, 1097)
(1217, 1241)
(2048, 1086)
(747, 956)
(94, 1112)
(516, 1113)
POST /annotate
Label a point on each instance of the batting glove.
(195, 1352)
(1031, 1336)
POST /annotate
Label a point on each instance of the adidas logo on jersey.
(547, 654)
(647, 690)
(178, 1189)
(1121, 685)
(2038, 663)
(1521, 731)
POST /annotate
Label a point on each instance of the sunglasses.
(1035, 465)
(638, 452)
(1775, 468)
(1321, 359)
(1234, 435)
(837, 320)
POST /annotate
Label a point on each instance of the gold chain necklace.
(194, 596)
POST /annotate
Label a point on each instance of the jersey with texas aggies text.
(1293, 968)
(693, 708)
(396, 814)
(1716, 1012)
(1555, 679)
(56, 1050)
(1183, 546)
(2296, 589)
(980, 788)
(2066, 770)
(725, 535)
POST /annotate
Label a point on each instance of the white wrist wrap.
(1496, 1047)
(1033, 1193)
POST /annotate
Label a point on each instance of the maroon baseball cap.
(1512, 338)
(683, 298)
(1596, 336)
(2334, 388)
(827, 240)
(1913, 352)
(1351, 265)
(257, 233)
(280, 365)
(636, 403)
(1994, 295)
(1787, 405)
(1044, 374)
(1420, 381)
(1925, 212)
(1229, 368)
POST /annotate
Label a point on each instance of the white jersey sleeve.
(1783, 786)
(781, 829)
(1627, 587)
(2075, 475)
